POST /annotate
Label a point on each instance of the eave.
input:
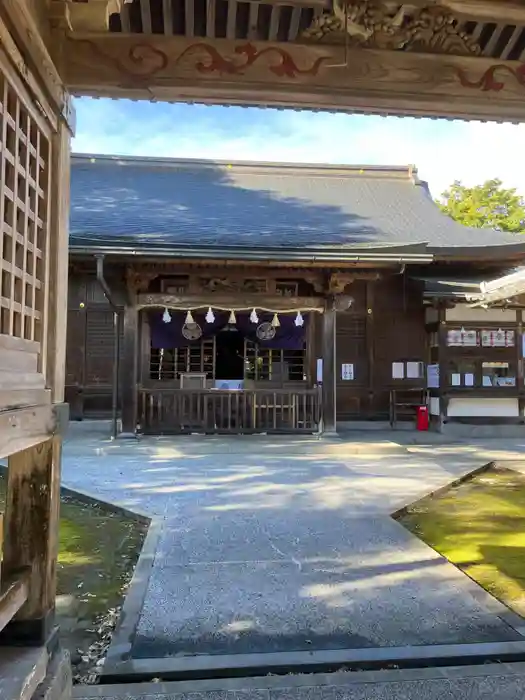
(410, 255)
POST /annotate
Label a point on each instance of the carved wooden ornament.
(376, 24)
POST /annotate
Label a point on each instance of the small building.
(260, 297)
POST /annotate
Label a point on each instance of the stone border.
(340, 679)
(216, 666)
(443, 489)
(483, 597)
(119, 652)
(92, 499)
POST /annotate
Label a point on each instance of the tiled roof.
(144, 202)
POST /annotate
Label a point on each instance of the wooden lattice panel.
(24, 202)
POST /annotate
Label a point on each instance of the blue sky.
(443, 151)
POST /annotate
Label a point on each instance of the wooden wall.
(90, 344)
(385, 324)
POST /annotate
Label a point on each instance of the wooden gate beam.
(293, 75)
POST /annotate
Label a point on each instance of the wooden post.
(519, 364)
(369, 339)
(129, 371)
(443, 365)
(31, 538)
(58, 268)
(329, 370)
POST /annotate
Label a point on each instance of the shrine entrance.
(459, 60)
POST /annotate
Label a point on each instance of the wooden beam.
(31, 537)
(24, 27)
(231, 22)
(232, 301)
(145, 15)
(13, 595)
(221, 71)
(22, 428)
(167, 15)
(499, 11)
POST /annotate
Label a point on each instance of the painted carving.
(284, 67)
(488, 81)
(338, 281)
(139, 280)
(215, 284)
(376, 24)
(144, 61)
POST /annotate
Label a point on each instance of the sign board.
(398, 370)
(433, 376)
(347, 372)
(320, 370)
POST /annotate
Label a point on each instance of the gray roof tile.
(147, 202)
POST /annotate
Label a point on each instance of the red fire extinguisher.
(422, 418)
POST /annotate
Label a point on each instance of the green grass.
(98, 550)
(480, 527)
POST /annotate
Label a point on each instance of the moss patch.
(480, 527)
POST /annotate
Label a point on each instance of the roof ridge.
(408, 171)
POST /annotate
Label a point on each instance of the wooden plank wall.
(90, 345)
(380, 328)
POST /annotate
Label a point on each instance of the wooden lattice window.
(24, 198)
(274, 364)
(168, 363)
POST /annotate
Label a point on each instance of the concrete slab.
(285, 544)
(501, 681)
(365, 583)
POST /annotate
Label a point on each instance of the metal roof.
(149, 204)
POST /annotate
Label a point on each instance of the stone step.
(22, 670)
(501, 681)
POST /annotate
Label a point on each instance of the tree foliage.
(485, 206)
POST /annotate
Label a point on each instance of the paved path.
(275, 544)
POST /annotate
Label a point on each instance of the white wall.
(462, 312)
(483, 407)
(434, 406)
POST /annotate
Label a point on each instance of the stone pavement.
(499, 682)
(272, 544)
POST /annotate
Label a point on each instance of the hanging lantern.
(210, 316)
(253, 317)
(166, 316)
(275, 321)
(299, 320)
(189, 318)
(232, 318)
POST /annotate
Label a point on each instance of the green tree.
(485, 206)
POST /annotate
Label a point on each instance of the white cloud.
(443, 151)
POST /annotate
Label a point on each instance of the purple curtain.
(169, 335)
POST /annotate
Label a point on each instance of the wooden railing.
(169, 411)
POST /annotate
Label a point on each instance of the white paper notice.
(320, 370)
(413, 370)
(347, 372)
(469, 379)
(433, 376)
(487, 381)
(456, 380)
(398, 370)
